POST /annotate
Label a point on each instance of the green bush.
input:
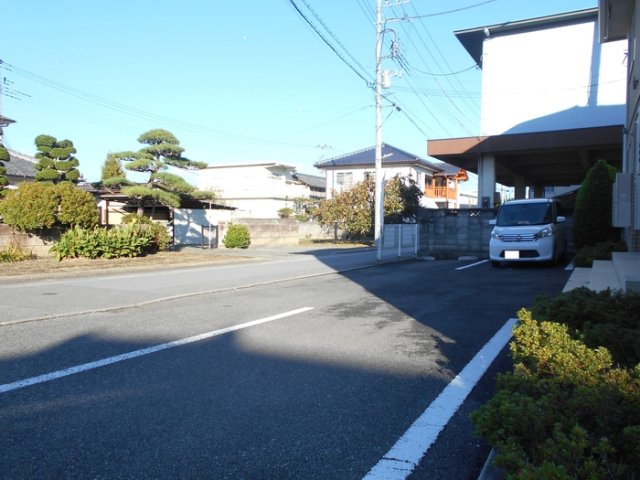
(30, 207)
(566, 411)
(607, 319)
(161, 239)
(600, 251)
(237, 236)
(592, 214)
(285, 212)
(76, 207)
(124, 241)
(36, 206)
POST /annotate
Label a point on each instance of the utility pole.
(378, 198)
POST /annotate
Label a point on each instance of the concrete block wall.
(451, 233)
(265, 232)
(37, 245)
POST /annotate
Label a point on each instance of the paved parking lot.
(290, 371)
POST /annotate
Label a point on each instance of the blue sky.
(241, 82)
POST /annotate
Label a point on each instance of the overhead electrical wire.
(447, 74)
(369, 80)
(363, 76)
(328, 30)
(450, 79)
(419, 88)
(135, 112)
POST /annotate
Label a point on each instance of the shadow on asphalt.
(454, 312)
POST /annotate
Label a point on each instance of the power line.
(368, 81)
(448, 74)
(468, 7)
(324, 25)
(135, 112)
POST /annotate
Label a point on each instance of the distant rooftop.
(4, 121)
(20, 165)
(314, 181)
(390, 156)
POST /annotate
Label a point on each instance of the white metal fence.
(398, 241)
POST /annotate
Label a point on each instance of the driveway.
(304, 366)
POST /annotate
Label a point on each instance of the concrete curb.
(489, 471)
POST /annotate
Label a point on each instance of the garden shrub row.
(131, 240)
(571, 406)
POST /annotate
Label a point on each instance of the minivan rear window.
(524, 214)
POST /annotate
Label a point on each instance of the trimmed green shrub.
(36, 206)
(592, 214)
(600, 251)
(607, 319)
(124, 241)
(31, 207)
(76, 206)
(566, 411)
(237, 236)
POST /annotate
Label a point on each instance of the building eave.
(473, 38)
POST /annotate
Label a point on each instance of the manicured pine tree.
(162, 151)
(56, 161)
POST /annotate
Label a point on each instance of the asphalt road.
(331, 373)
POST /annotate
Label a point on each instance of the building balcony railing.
(439, 192)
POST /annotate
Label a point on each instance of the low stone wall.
(451, 233)
(315, 231)
(37, 245)
(265, 232)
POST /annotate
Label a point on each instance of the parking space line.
(47, 377)
(472, 265)
(404, 456)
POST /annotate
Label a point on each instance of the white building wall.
(191, 226)
(544, 80)
(257, 191)
(358, 175)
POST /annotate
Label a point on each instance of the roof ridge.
(22, 156)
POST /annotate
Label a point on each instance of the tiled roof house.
(438, 181)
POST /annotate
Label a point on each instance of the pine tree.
(112, 173)
(162, 151)
(56, 162)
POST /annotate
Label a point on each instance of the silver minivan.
(528, 231)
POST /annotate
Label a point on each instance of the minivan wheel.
(495, 264)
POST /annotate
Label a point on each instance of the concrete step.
(580, 277)
(627, 268)
(604, 276)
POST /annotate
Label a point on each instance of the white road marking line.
(472, 265)
(404, 456)
(47, 377)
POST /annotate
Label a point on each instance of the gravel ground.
(50, 266)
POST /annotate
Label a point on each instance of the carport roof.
(553, 158)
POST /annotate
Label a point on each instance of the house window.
(344, 179)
